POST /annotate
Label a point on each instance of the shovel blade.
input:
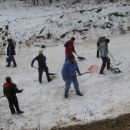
(93, 68)
(81, 58)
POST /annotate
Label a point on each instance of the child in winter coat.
(69, 70)
(10, 89)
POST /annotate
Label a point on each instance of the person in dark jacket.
(11, 53)
(69, 70)
(10, 89)
(69, 48)
(100, 40)
(41, 59)
(103, 49)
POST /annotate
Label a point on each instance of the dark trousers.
(67, 55)
(105, 61)
(97, 53)
(13, 104)
(11, 59)
(40, 71)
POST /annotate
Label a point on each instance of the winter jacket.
(10, 89)
(41, 61)
(103, 49)
(69, 47)
(69, 70)
(11, 49)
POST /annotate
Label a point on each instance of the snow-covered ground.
(104, 95)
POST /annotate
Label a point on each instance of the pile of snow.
(104, 19)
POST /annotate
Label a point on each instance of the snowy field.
(105, 96)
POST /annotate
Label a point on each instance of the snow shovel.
(44, 46)
(49, 73)
(115, 70)
(80, 57)
(115, 62)
(91, 69)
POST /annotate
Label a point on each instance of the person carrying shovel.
(69, 48)
(69, 70)
(41, 59)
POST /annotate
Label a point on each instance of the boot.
(20, 112)
(66, 96)
(14, 66)
(79, 94)
(7, 65)
(49, 80)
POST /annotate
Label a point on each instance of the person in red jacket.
(10, 89)
(69, 48)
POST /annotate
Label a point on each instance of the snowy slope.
(104, 96)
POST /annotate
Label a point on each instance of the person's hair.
(8, 79)
(9, 40)
(73, 38)
(107, 40)
(101, 39)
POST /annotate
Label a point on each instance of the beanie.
(40, 52)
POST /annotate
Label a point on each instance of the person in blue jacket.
(69, 70)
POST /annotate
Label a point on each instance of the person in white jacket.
(103, 49)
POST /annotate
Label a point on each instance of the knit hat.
(40, 52)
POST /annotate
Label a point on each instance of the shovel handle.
(84, 73)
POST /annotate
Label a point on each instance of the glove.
(22, 90)
(80, 74)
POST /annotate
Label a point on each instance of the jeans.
(68, 83)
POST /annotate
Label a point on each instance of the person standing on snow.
(10, 89)
(69, 48)
(69, 70)
(103, 49)
(100, 40)
(41, 59)
(11, 53)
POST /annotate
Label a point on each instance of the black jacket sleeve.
(16, 90)
(33, 61)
